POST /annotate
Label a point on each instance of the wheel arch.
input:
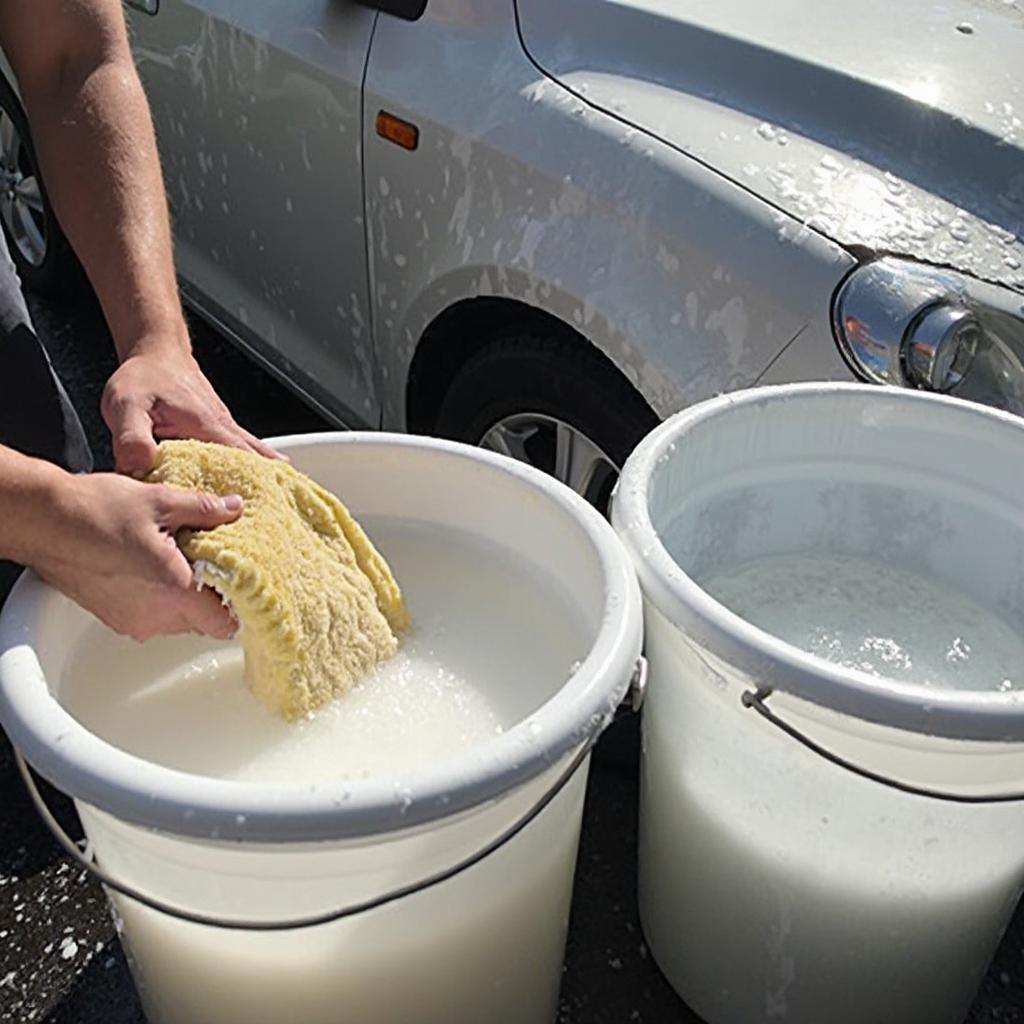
(465, 327)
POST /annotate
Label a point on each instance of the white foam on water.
(877, 618)
(409, 711)
(492, 640)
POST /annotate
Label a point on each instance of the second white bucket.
(543, 618)
(791, 866)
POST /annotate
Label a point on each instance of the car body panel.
(684, 183)
(258, 112)
(898, 127)
(690, 284)
(807, 357)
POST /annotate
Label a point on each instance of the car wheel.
(37, 245)
(552, 402)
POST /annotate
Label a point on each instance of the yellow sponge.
(318, 605)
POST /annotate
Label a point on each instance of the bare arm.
(108, 543)
(104, 540)
(26, 485)
(94, 136)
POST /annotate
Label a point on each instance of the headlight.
(917, 326)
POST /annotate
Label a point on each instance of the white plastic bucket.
(774, 883)
(484, 946)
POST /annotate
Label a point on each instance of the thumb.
(199, 510)
(134, 447)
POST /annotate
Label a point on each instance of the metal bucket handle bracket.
(634, 697)
(756, 700)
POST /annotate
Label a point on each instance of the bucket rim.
(953, 714)
(90, 769)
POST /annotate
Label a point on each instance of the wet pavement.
(60, 960)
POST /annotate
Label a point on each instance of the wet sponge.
(317, 603)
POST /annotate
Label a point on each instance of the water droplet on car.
(894, 184)
(959, 230)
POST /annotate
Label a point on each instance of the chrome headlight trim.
(913, 325)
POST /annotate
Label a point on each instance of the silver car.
(542, 225)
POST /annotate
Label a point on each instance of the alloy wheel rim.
(558, 448)
(21, 201)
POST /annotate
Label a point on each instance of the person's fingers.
(132, 433)
(237, 437)
(225, 432)
(206, 613)
(197, 509)
(264, 449)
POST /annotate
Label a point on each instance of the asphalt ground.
(60, 960)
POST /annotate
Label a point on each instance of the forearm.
(94, 138)
(96, 147)
(107, 542)
(30, 493)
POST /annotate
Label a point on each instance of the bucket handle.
(755, 700)
(88, 862)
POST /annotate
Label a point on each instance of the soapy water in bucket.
(875, 529)
(876, 618)
(489, 639)
(494, 637)
(518, 591)
(408, 711)
(776, 855)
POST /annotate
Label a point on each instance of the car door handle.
(410, 10)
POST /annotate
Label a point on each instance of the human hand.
(107, 542)
(161, 392)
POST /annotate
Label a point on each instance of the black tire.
(58, 270)
(555, 375)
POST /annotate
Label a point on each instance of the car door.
(257, 109)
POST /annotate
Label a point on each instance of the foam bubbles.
(875, 618)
